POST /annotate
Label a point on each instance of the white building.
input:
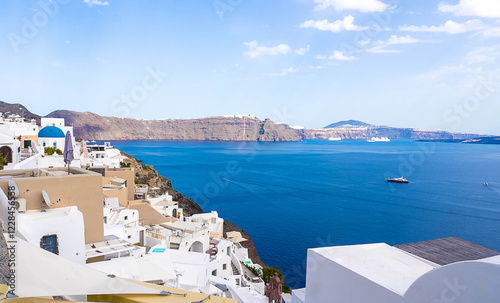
(10, 147)
(460, 271)
(56, 122)
(101, 155)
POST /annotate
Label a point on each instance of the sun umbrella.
(68, 149)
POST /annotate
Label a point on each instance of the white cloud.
(285, 72)
(382, 46)
(479, 8)
(483, 54)
(347, 24)
(381, 49)
(254, 50)
(442, 71)
(303, 51)
(337, 55)
(449, 26)
(365, 6)
(394, 40)
(96, 2)
(492, 32)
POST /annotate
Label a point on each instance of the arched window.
(196, 247)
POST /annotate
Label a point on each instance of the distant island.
(92, 126)
(478, 140)
(354, 129)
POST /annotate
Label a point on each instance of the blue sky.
(408, 63)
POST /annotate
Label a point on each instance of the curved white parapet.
(461, 282)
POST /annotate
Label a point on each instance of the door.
(27, 143)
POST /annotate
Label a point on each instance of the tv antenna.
(20, 204)
(14, 187)
(46, 199)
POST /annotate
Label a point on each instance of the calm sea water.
(298, 195)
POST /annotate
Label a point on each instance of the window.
(125, 218)
(224, 266)
(49, 243)
(228, 251)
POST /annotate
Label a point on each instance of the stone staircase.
(235, 269)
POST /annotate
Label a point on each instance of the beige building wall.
(33, 139)
(124, 173)
(148, 215)
(82, 189)
(120, 193)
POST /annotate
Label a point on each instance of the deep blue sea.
(291, 196)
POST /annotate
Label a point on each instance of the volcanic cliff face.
(91, 126)
(353, 129)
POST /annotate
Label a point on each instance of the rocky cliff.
(18, 109)
(91, 126)
(148, 175)
(353, 129)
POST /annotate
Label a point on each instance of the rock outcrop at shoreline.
(148, 175)
(231, 128)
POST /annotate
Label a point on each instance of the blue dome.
(51, 132)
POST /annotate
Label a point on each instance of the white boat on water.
(398, 180)
(377, 139)
(334, 139)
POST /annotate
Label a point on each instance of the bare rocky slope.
(91, 126)
(19, 109)
(353, 129)
(148, 175)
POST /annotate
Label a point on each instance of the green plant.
(147, 167)
(3, 161)
(252, 269)
(123, 164)
(50, 151)
(136, 181)
(268, 272)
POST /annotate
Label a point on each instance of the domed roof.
(51, 132)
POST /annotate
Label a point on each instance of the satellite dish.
(12, 184)
(46, 198)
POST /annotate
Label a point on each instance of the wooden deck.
(448, 250)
